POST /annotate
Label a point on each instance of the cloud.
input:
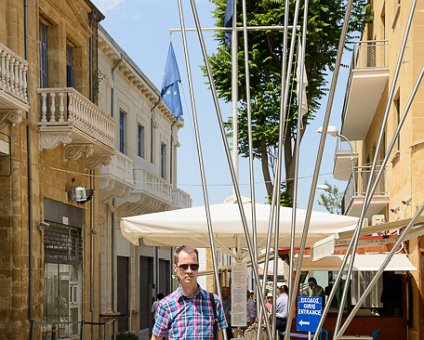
(107, 5)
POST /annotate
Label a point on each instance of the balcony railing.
(358, 186)
(153, 185)
(180, 199)
(370, 54)
(66, 107)
(120, 167)
(13, 74)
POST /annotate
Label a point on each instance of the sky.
(141, 28)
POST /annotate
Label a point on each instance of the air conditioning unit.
(378, 219)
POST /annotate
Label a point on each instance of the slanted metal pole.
(200, 154)
(318, 165)
(228, 153)
(234, 90)
(355, 239)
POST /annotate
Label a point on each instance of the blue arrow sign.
(309, 311)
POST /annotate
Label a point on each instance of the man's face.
(187, 276)
(312, 284)
(225, 292)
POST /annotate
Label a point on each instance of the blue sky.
(141, 27)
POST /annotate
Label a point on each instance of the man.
(187, 313)
(281, 311)
(250, 309)
(226, 303)
(155, 304)
(315, 289)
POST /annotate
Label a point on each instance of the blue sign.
(309, 311)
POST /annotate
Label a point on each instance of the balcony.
(367, 79)
(345, 159)
(180, 199)
(354, 195)
(117, 177)
(69, 118)
(13, 87)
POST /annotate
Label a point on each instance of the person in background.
(226, 303)
(188, 312)
(281, 311)
(315, 289)
(155, 304)
(251, 309)
(268, 304)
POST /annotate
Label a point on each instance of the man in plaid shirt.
(187, 313)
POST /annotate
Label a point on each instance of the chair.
(375, 334)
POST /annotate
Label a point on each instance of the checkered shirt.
(181, 317)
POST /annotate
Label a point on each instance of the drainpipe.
(29, 174)
(91, 18)
(113, 267)
(112, 91)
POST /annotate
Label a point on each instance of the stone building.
(53, 137)
(399, 192)
(141, 178)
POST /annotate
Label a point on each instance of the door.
(164, 277)
(123, 296)
(146, 285)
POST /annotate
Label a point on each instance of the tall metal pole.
(318, 164)
(200, 154)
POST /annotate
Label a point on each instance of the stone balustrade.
(68, 107)
(13, 74)
(180, 199)
(151, 184)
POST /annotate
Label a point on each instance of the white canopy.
(189, 226)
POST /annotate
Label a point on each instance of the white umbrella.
(189, 226)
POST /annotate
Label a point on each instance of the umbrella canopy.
(189, 226)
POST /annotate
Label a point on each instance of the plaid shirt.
(181, 317)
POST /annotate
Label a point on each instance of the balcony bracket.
(76, 151)
(52, 140)
(97, 159)
(13, 117)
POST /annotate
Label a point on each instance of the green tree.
(331, 200)
(325, 22)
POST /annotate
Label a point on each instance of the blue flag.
(170, 91)
(228, 20)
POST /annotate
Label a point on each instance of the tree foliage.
(332, 199)
(325, 22)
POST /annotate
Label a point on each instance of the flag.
(170, 90)
(228, 20)
(301, 83)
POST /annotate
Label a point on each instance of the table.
(356, 337)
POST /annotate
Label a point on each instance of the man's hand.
(220, 335)
(154, 337)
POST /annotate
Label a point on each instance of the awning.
(339, 241)
(368, 262)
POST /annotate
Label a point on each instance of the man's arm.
(220, 335)
(154, 337)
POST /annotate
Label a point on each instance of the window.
(62, 280)
(44, 65)
(163, 160)
(122, 131)
(140, 141)
(69, 67)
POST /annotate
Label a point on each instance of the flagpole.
(234, 92)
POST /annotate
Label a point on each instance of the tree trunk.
(265, 168)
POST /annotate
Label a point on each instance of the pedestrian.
(250, 309)
(226, 303)
(281, 310)
(315, 289)
(188, 312)
(155, 305)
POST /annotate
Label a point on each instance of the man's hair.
(187, 249)
(312, 279)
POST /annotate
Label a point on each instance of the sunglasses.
(193, 266)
